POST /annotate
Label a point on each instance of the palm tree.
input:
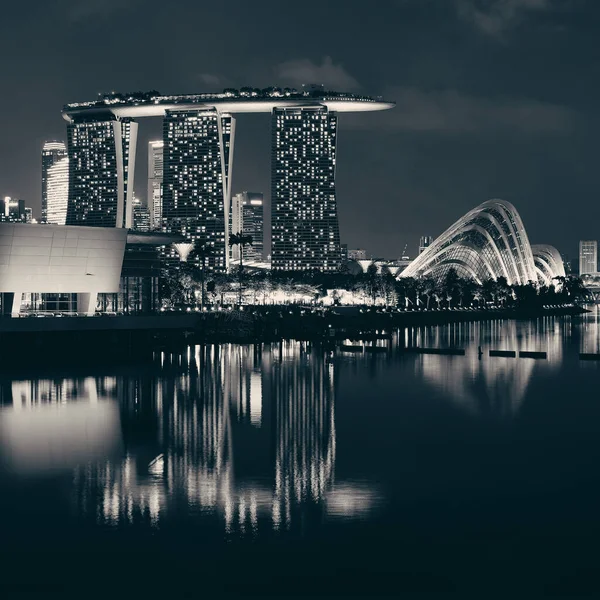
(240, 239)
(202, 249)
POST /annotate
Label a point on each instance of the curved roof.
(548, 263)
(153, 104)
(490, 241)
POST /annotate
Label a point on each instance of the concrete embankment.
(125, 339)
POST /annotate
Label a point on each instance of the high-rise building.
(155, 182)
(52, 153)
(28, 215)
(14, 210)
(247, 216)
(304, 221)
(424, 243)
(57, 192)
(588, 257)
(198, 149)
(141, 215)
(101, 169)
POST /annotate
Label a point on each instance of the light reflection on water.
(247, 437)
(181, 433)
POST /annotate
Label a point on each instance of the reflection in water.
(477, 382)
(590, 331)
(245, 434)
(56, 425)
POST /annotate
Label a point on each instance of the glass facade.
(548, 263)
(195, 195)
(141, 216)
(53, 153)
(304, 221)
(101, 167)
(53, 303)
(588, 257)
(155, 183)
(139, 284)
(247, 211)
(488, 242)
(57, 192)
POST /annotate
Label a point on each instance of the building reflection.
(55, 425)
(243, 433)
(477, 382)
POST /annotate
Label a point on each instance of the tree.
(574, 289)
(429, 288)
(240, 239)
(202, 249)
(372, 276)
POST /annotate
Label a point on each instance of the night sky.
(495, 98)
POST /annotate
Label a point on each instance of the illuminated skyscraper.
(141, 215)
(57, 192)
(247, 216)
(52, 152)
(155, 183)
(101, 159)
(424, 243)
(304, 219)
(14, 211)
(588, 257)
(198, 149)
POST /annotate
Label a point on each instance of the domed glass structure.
(548, 263)
(490, 241)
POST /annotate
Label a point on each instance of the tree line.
(185, 284)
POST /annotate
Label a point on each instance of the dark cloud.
(496, 17)
(81, 10)
(475, 118)
(212, 81)
(453, 112)
(305, 71)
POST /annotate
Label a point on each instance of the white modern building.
(488, 242)
(48, 259)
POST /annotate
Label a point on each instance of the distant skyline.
(494, 99)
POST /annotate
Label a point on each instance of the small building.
(75, 269)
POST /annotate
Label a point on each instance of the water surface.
(288, 469)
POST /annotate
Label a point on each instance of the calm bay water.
(285, 469)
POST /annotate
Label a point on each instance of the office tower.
(357, 254)
(52, 153)
(247, 216)
(155, 183)
(196, 196)
(567, 264)
(424, 243)
(57, 192)
(588, 257)
(304, 220)
(14, 210)
(28, 216)
(141, 216)
(101, 168)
